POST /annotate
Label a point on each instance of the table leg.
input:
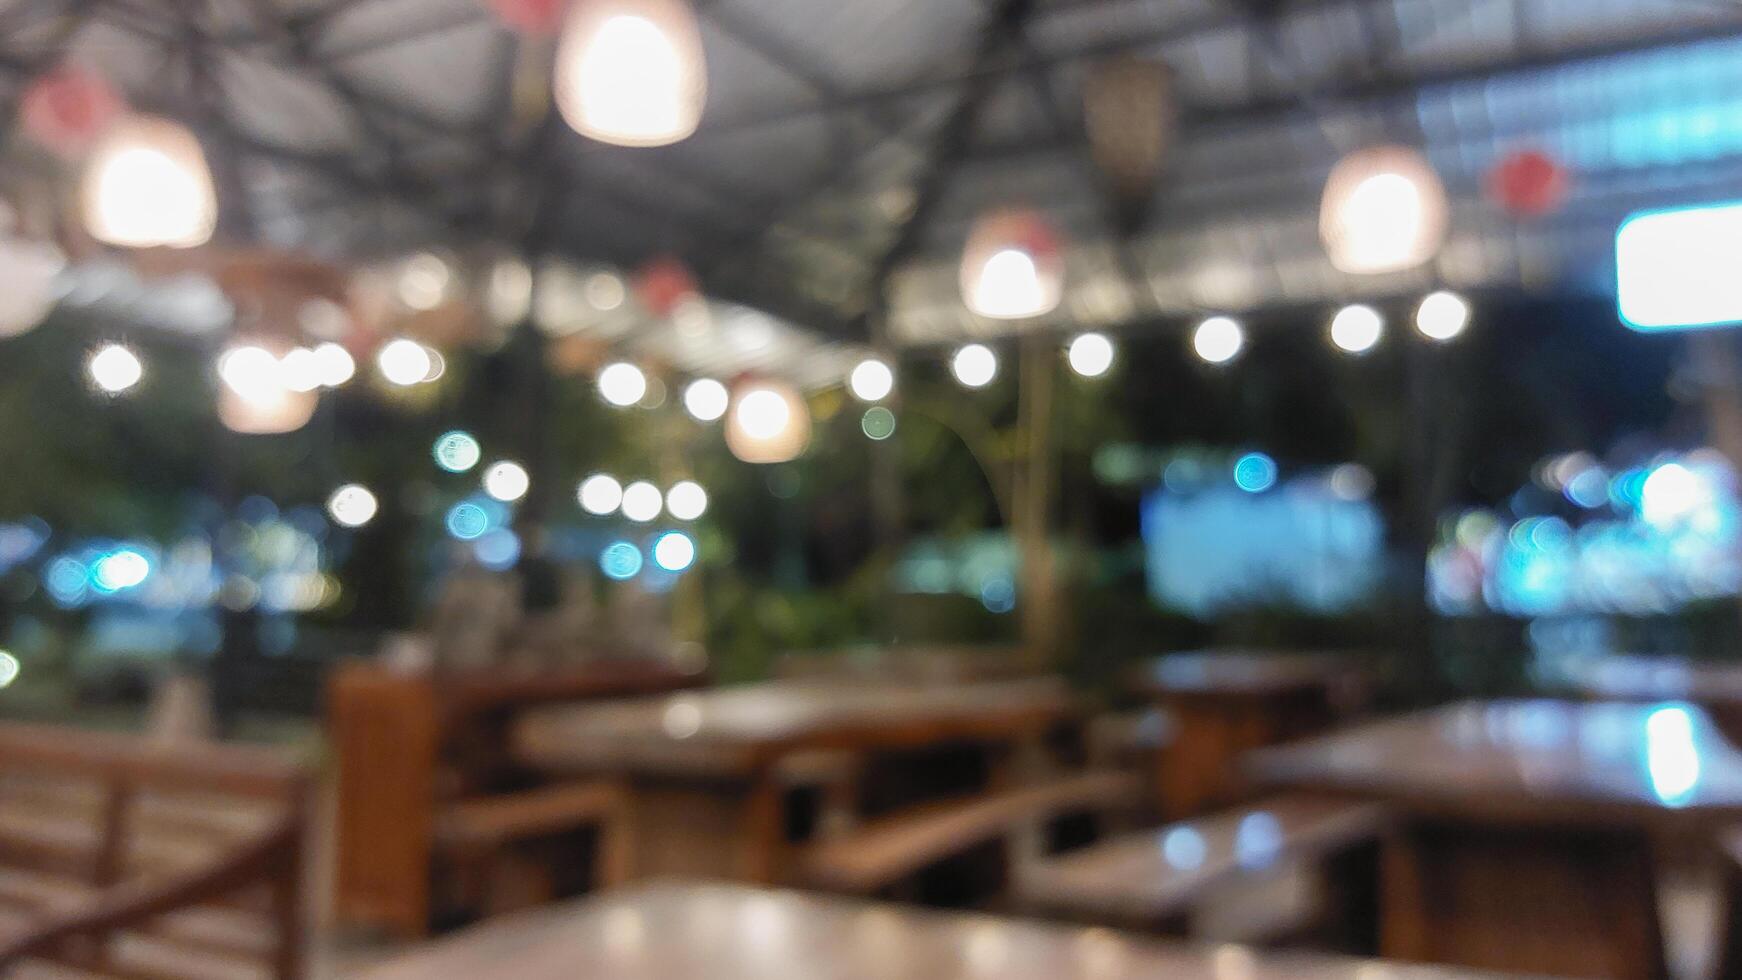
(1554, 901)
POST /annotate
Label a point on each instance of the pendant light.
(147, 185)
(1012, 266)
(1384, 210)
(769, 422)
(631, 72)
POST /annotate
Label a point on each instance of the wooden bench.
(431, 809)
(127, 858)
(1157, 878)
(893, 848)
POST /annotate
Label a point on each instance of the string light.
(506, 481)
(352, 505)
(686, 500)
(1355, 329)
(404, 362)
(871, 380)
(705, 399)
(1218, 339)
(642, 501)
(114, 368)
(1090, 355)
(631, 72)
(622, 384)
(974, 365)
(1442, 316)
(334, 364)
(674, 551)
(457, 451)
(599, 494)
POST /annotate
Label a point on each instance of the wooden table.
(1716, 687)
(1526, 835)
(1224, 703)
(710, 771)
(675, 931)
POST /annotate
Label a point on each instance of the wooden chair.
(432, 808)
(1156, 879)
(893, 848)
(125, 858)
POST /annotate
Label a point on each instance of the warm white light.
(600, 494)
(622, 384)
(114, 368)
(871, 380)
(508, 296)
(423, 281)
(769, 422)
(1218, 339)
(674, 551)
(506, 481)
(1357, 328)
(763, 414)
(147, 185)
(1090, 355)
(1384, 210)
(404, 362)
(352, 505)
(706, 399)
(642, 501)
(300, 369)
(1011, 266)
(1442, 316)
(686, 500)
(974, 365)
(631, 72)
(251, 372)
(28, 270)
(334, 364)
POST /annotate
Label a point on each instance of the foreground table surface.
(1555, 760)
(671, 931)
(730, 730)
(1245, 672)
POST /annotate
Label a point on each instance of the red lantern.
(67, 108)
(530, 16)
(664, 283)
(1528, 183)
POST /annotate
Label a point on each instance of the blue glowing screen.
(1677, 269)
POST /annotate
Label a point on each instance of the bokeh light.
(122, 569)
(974, 365)
(599, 494)
(871, 380)
(1218, 339)
(467, 521)
(686, 500)
(1356, 328)
(620, 560)
(404, 362)
(1090, 354)
(631, 73)
(642, 501)
(1255, 472)
(506, 481)
(705, 399)
(146, 184)
(622, 384)
(1383, 210)
(114, 369)
(878, 423)
(1442, 316)
(352, 505)
(497, 549)
(457, 451)
(9, 668)
(674, 551)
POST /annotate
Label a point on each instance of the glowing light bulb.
(352, 505)
(642, 501)
(871, 380)
(1219, 339)
(974, 365)
(1355, 329)
(301, 369)
(251, 372)
(1012, 266)
(1384, 210)
(631, 72)
(404, 362)
(763, 414)
(1090, 355)
(705, 399)
(600, 494)
(1442, 316)
(334, 364)
(622, 384)
(506, 481)
(147, 185)
(114, 368)
(769, 422)
(674, 551)
(686, 500)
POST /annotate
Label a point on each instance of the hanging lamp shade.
(147, 184)
(1129, 117)
(257, 394)
(1012, 266)
(631, 72)
(66, 109)
(768, 422)
(1384, 210)
(1528, 183)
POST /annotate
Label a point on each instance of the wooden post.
(1038, 598)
